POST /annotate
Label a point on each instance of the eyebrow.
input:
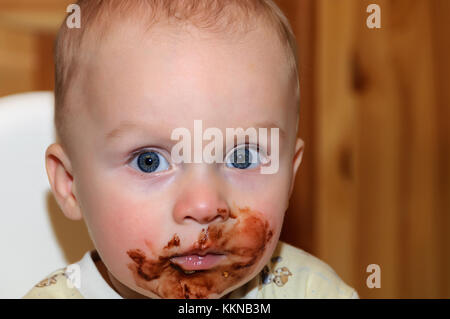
(127, 125)
(270, 124)
(123, 126)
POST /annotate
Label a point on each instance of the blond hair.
(218, 16)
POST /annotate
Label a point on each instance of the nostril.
(204, 215)
(222, 212)
(205, 220)
(214, 218)
(221, 215)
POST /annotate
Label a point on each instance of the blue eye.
(150, 162)
(243, 157)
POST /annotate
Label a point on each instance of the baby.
(126, 80)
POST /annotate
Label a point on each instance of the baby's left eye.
(150, 162)
(243, 157)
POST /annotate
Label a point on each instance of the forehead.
(182, 75)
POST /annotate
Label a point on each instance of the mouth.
(194, 261)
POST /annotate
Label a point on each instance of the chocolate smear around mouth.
(174, 242)
(242, 239)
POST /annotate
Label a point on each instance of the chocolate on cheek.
(242, 238)
(174, 242)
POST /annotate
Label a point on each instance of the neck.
(115, 284)
(123, 290)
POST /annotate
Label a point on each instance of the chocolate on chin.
(242, 239)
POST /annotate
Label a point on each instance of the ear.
(298, 155)
(60, 177)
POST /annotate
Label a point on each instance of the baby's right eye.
(150, 162)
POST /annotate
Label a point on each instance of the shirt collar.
(92, 284)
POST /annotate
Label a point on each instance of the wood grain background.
(374, 185)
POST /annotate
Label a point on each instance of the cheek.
(267, 194)
(118, 219)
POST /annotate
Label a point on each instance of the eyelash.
(246, 145)
(135, 154)
(255, 147)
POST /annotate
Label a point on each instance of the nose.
(201, 202)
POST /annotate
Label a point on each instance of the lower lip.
(196, 262)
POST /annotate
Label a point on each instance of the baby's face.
(180, 230)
